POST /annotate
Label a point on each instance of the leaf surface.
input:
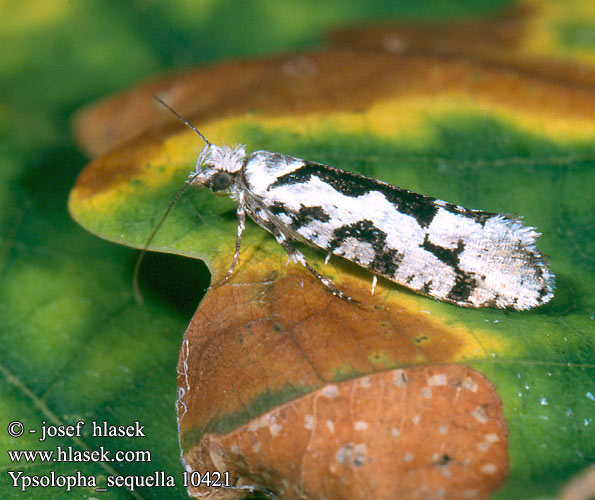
(510, 135)
(74, 345)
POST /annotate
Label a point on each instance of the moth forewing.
(466, 257)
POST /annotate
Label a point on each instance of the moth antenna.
(181, 118)
(137, 293)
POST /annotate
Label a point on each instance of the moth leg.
(241, 214)
(296, 256)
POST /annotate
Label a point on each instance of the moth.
(466, 257)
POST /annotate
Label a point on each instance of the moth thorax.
(224, 158)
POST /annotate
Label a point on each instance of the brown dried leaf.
(341, 79)
(414, 433)
(497, 43)
(581, 486)
(255, 399)
(504, 30)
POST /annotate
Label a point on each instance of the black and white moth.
(448, 252)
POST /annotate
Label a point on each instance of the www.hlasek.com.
(23, 480)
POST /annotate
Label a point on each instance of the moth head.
(217, 166)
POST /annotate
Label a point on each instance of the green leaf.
(74, 345)
(444, 142)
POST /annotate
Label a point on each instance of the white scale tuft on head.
(225, 158)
